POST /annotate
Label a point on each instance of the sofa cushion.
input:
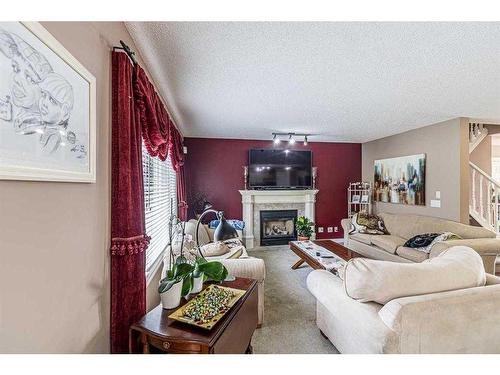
(234, 253)
(368, 280)
(414, 255)
(407, 226)
(388, 242)
(362, 237)
(214, 249)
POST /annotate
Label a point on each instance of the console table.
(157, 333)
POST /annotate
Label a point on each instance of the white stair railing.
(484, 199)
(477, 132)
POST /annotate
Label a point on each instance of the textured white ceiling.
(349, 82)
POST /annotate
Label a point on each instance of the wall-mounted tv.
(280, 169)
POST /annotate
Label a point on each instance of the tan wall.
(482, 154)
(54, 237)
(446, 159)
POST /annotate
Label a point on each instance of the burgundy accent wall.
(215, 167)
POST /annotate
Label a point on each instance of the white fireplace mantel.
(250, 198)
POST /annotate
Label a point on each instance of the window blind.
(160, 200)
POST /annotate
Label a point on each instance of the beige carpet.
(290, 310)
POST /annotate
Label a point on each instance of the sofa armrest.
(459, 321)
(488, 248)
(252, 268)
(346, 227)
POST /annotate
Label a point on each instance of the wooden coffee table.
(156, 332)
(332, 246)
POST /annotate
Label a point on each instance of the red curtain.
(128, 238)
(160, 135)
(138, 114)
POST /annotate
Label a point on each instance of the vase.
(197, 284)
(172, 298)
(302, 238)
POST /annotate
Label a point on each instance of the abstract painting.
(400, 180)
(47, 108)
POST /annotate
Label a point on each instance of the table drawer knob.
(166, 345)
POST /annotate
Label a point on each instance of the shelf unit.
(355, 194)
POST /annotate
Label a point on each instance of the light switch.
(435, 203)
(438, 194)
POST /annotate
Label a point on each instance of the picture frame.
(47, 123)
(400, 180)
(356, 198)
(365, 198)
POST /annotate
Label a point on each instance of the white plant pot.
(172, 297)
(197, 284)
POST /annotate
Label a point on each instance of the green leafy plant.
(304, 226)
(179, 272)
(212, 271)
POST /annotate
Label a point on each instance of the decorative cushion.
(421, 240)
(214, 249)
(458, 267)
(414, 255)
(367, 223)
(234, 253)
(425, 242)
(388, 242)
(362, 237)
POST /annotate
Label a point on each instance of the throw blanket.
(236, 224)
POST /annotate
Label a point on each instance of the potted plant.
(304, 228)
(204, 270)
(176, 284)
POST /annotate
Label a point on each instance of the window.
(160, 200)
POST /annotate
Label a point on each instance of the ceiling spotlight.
(291, 140)
(276, 140)
(305, 140)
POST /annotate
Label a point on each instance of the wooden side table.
(157, 333)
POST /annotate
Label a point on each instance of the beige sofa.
(402, 227)
(454, 321)
(237, 261)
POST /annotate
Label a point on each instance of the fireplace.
(277, 227)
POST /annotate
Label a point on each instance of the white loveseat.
(456, 321)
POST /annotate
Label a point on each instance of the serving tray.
(178, 314)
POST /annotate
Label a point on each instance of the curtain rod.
(131, 54)
(127, 50)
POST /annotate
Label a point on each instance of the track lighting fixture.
(291, 138)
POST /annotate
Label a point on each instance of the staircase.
(477, 132)
(484, 198)
(484, 190)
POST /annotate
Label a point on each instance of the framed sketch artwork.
(47, 108)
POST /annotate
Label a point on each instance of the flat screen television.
(280, 169)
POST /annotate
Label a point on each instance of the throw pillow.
(363, 222)
(421, 240)
(424, 242)
(214, 249)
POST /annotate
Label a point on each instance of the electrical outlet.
(330, 229)
(320, 230)
(335, 229)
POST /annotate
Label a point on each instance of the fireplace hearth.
(277, 227)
